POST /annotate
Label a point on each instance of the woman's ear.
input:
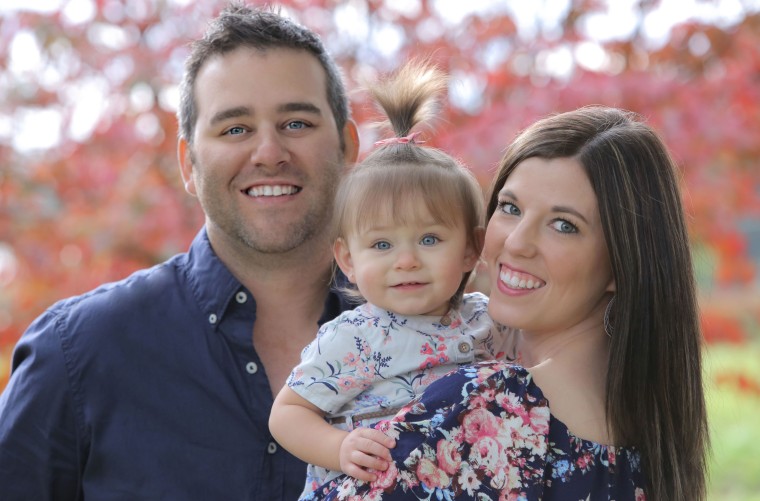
(472, 253)
(343, 258)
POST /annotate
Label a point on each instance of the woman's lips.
(519, 280)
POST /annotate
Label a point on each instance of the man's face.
(265, 158)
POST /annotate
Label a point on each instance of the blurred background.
(90, 189)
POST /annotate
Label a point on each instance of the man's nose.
(270, 148)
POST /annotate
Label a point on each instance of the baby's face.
(412, 268)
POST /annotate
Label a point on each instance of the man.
(160, 386)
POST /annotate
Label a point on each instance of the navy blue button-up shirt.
(148, 388)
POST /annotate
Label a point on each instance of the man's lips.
(519, 280)
(272, 190)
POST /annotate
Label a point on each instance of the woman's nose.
(521, 240)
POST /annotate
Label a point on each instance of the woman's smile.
(517, 280)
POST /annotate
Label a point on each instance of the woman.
(588, 258)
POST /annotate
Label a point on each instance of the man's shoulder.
(94, 325)
(144, 286)
(138, 302)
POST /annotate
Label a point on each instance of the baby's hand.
(365, 449)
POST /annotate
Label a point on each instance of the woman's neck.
(570, 368)
(535, 349)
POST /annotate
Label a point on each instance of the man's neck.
(290, 290)
(298, 279)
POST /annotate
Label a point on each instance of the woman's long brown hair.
(655, 399)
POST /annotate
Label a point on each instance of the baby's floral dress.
(485, 432)
(368, 362)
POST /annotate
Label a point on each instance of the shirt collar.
(211, 282)
(214, 286)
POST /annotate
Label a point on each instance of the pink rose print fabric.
(485, 432)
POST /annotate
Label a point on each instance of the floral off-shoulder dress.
(485, 432)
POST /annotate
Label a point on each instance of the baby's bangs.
(399, 196)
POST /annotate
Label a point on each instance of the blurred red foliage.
(740, 382)
(721, 328)
(80, 214)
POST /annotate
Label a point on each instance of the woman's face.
(548, 263)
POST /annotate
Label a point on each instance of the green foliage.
(733, 391)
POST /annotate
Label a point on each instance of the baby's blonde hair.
(398, 175)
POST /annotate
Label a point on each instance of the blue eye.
(429, 240)
(296, 125)
(382, 245)
(563, 226)
(234, 131)
(509, 208)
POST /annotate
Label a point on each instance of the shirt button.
(464, 347)
(446, 320)
(241, 297)
(212, 318)
(251, 367)
(272, 448)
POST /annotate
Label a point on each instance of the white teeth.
(272, 191)
(514, 281)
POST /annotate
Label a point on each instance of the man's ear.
(186, 166)
(351, 142)
(472, 253)
(343, 258)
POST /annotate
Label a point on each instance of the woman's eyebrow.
(569, 210)
(555, 208)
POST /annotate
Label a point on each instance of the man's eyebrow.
(236, 112)
(299, 106)
(245, 111)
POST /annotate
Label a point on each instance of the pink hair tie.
(400, 140)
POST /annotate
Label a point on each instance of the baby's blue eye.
(382, 245)
(429, 240)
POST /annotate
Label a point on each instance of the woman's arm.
(300, 427)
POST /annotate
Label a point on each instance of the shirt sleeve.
(493, 340)
(39, 444)
(337, 366)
